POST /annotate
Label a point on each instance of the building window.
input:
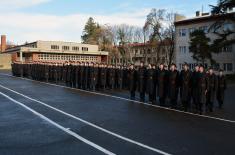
(216, 66)
(204, 29)
(227, 49)
(183, 49)
(182, 32)
(75, 48)
(228, 26)
(55, 47)
(84, 48)
(228, 66)
(65, 48)
(191, 30)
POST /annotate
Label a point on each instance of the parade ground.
(39, 118)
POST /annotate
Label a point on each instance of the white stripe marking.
(59, 126)
(122, 98)
(91, 124)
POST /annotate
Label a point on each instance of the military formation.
(188, 90)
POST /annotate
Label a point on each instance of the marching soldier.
(142, 81)
(212, 85)
(221, 87)
(185, 87)
(173, 84)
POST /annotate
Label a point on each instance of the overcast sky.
(30, 20)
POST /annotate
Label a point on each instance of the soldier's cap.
(211, 68)
(221, 70)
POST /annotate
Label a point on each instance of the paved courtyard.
(39, 118)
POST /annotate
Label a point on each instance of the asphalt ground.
(39, 118)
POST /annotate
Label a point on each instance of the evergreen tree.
(223, 27)
(199, 46)
(90, 32)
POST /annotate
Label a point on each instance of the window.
(227, 49)
(228, 66)
(182, 32)
(75, 48)
(228, 26)
(183, 49)
(65, 48)
(54, 47)
(204, 28)
(191, 30)
(216, 66)
(84, 48)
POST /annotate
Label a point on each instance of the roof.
(205, 18)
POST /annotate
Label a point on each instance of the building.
(57, 51)
(5, 59)
(145, 52)
(225, 60)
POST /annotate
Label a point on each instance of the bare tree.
(154, 22)
(161, 25)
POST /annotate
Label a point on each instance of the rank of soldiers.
(198, 88)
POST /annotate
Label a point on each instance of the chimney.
(3, 43)
(197, 13)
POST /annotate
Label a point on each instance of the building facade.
(144, 52)
(5, 59)
(57, 51)
(224, 60)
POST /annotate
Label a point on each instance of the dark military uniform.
(46, 71)
(151, 85)
(161, 86)
(126, 76)
(81, 75)
(132, 82)
(110, 78)
(202, 88)
(94, 77)
(195, 80)
(102, 77)
(173, 85)
(142, 82)
(212, 85)
(119, 78)
(221, 87)
(185, 88)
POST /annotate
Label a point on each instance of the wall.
(5, 61)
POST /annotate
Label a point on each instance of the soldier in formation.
(170, 87)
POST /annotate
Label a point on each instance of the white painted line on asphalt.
(91, 124)
(59, 126)
(122, 98)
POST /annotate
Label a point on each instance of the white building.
(225, 60)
